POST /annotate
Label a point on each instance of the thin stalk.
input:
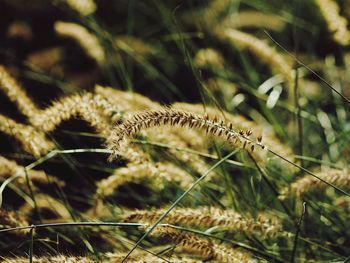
(181, 149)
(308, 68)
(315, 160)
(31, 193)
(297, 233)
(309, 172)
(298, 117)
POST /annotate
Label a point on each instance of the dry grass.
(211, 137)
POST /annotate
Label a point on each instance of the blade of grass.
(31, 247)
(296, 6)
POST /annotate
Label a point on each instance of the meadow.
(174, 131)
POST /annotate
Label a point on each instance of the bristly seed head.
(173, 117)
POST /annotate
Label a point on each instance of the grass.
(233, 127)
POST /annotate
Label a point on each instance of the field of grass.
(174, 131)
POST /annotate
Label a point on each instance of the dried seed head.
(193, 244)
(89, 42)
(32, 140)
(308, 183)
(47, 259)
(157, 174)
(240, 122)
(173, 117)
(207, 217)
(9, 219)
(83, 7)
(92, 108)
(209, 58)
(337, 25)
(260, 49)
(16, 93)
